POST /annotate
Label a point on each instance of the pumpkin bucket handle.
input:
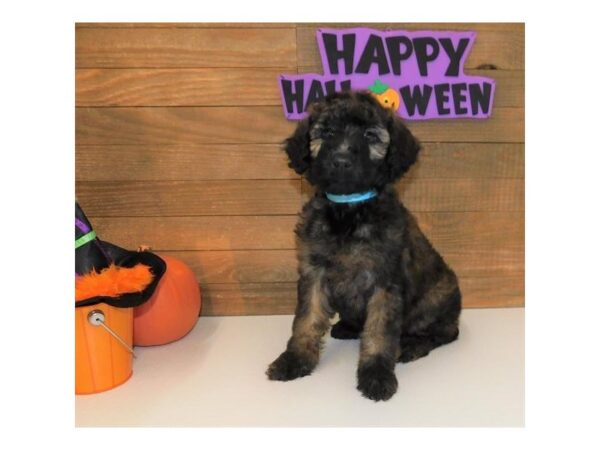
(97, 318)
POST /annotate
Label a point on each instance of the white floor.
(215, 377)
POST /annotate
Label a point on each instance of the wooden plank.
(259, 124)
(459, 194)
(178, 163)
(257, 197)
(451, 231)
(493, 292)
(474, 232)
(464, 194)
(270, 266)
(189, 198)
(199, 233)
(510, 86)
(482, 26)
(285, 25)
(505, 125)
(262, 161)
(224, 87)
(247, 299)
(178, 87)
(450, 26)
(181, 125)
(470, 160)
(478, 263)
(185, 47)
(501, 46)
(240, 266)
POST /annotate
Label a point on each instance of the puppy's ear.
(297, 147)
(403, 149)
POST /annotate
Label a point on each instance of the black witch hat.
(104, 271)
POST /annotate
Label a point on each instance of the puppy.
(361, 253)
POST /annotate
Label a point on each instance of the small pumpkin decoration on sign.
(173, 309)
(386, 96)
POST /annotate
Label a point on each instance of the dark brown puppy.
(361, 252)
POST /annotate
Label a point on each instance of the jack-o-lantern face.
(386, 96)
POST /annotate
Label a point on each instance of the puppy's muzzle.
(340, 163)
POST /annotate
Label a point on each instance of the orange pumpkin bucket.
(102, 361)
(109, 282)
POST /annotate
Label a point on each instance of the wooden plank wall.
(177, 147)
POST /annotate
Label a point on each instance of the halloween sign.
(418, 74)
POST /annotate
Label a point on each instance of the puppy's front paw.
(377, 381)
(288, 367)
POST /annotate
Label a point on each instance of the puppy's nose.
(341, 162)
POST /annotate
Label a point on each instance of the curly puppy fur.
(368, 261)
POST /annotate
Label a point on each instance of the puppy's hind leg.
(415, 344)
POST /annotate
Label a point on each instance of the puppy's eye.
(371, 136)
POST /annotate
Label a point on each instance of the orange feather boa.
(113, 281)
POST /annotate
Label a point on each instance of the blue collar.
(351, 198)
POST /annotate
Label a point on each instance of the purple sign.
(418, 74)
